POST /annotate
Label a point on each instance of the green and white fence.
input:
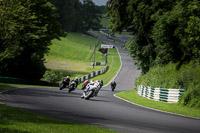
(93, 74)
(160, 94)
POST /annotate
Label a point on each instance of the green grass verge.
(131, 95)
(16, 121)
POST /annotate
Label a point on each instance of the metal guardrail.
(93, 74)
(160, 94)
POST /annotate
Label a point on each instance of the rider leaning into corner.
(92, 83)
(76, 81)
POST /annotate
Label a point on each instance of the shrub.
(51, 76)
(186, 77)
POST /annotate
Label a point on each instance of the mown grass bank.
(71, 56)
(131, 95)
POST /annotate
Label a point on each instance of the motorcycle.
(113, 85)
(113, 88)
(91, 91)
(63, 84)
(72, 86)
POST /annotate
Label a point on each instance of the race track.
(105, 110)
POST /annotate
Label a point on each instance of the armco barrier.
(93, 74)
(160, 94)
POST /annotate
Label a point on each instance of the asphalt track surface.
(105, 110)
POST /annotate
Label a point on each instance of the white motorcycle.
(91, 90)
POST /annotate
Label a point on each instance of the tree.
(176, 33)
(91, 15)
(135, 16)
(69, 11)
(77, 16)
(164, 31)
(27, 28)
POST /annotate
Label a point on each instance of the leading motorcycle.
(91, 90)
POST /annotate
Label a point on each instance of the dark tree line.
(28, 26)
(164, 31)
(76, 15)
(26, 30)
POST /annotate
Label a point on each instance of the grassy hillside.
(75, 47)
(71, 56)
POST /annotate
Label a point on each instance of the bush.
(52, 76)
(186, 77)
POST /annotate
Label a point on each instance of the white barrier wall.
(93, 74)
(160, 94)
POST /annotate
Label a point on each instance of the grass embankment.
(71, 56)
(186, 77)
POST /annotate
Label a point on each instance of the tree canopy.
(26, 30)
(164, 31)
(76, 15)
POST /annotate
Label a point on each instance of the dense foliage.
(26, 30)
(76, 15)
(187, 77)
(164, 31)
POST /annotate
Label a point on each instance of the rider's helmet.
(85, 82)
(67, 76)
(76, 78)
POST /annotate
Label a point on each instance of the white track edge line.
(155, 109)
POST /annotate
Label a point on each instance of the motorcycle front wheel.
(89, 94)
